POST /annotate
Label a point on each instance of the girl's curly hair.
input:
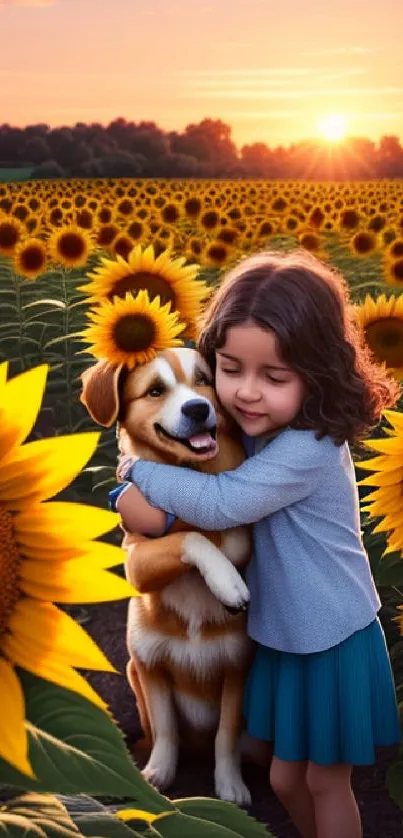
(306, 303)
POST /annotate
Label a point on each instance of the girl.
(290, 368)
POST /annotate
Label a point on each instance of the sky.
(270, 70)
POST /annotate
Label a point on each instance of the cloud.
(257, 80)
(351, 50)
(293, 94)
(30, 3)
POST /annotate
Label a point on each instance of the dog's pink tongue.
(201, 441)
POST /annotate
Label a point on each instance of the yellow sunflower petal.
(384, 478)
(386, 446)
(51, 670)
(47, 631)
(41, 469)
(137, 814)
(395, 419)
(60, 525)
(13, 735)
(93, 554)
(73, 582)
(16, 423)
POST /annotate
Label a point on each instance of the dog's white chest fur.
(189, 598)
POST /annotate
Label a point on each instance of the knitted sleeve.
(286, 471)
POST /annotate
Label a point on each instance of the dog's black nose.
(196, 409)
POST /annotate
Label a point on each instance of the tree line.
(202, 150)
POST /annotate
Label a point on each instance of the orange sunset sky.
(270, 70)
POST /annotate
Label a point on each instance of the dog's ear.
(100, 392)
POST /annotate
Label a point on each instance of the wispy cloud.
(259, 81)
(346, 50)
(294, 94)
(30, 3)
(258, 72)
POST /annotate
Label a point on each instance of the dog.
(188, 654)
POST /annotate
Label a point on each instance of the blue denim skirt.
(327, 707)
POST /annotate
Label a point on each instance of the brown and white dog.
(188, 653)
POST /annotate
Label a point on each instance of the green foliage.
(33, 815)
(75, 747)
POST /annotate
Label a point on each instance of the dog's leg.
(141, 701)
(153, 563)
(161, 766)
(229, 784)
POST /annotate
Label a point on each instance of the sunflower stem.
(66, 325)
(18, 302)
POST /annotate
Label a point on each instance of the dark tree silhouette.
(202, 150)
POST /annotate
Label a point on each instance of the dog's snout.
(196, 409)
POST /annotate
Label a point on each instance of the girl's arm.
(137, 514)
(287, 470)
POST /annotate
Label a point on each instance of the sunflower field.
(80, 259)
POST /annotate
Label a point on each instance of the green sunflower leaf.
(103, 823)
(74, 747)
(224, 814)
(178, 825)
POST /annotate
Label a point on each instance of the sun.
(333, 128)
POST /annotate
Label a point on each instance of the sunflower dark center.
(107, 234)
(71, 245)
(154, 284)
(8, 235)
(32, 257)
(363, 243)
(134, 332)
(397, 270)
(9, 566)
(385, 339)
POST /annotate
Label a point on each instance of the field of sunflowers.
(80, 259)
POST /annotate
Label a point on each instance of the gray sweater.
(309, 577)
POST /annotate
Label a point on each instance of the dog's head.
(167, 406)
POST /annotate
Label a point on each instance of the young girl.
(291, 369)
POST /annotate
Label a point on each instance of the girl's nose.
(248, 390)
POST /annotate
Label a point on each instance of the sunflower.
(106, 234)
(363, 244)
(310, 241)
(393, 272)
(171, 280)
(386, 501)
(131, 331)
(30, 258)
(70, 246)
(46, 554)
(122, 245)
(381, 321)
(216, 253)
(11, 233)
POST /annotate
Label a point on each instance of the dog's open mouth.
(201, 443)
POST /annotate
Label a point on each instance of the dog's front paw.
(230, 786)
(161, 775)
(219, 574)
(228, 586)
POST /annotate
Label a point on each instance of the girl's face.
(254, 384)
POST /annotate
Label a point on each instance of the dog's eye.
(202, 380)
(156, 390)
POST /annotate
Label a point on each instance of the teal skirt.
(327, 707)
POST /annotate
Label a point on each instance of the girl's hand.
(125, 462)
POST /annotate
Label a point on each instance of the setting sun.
(333, 128)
